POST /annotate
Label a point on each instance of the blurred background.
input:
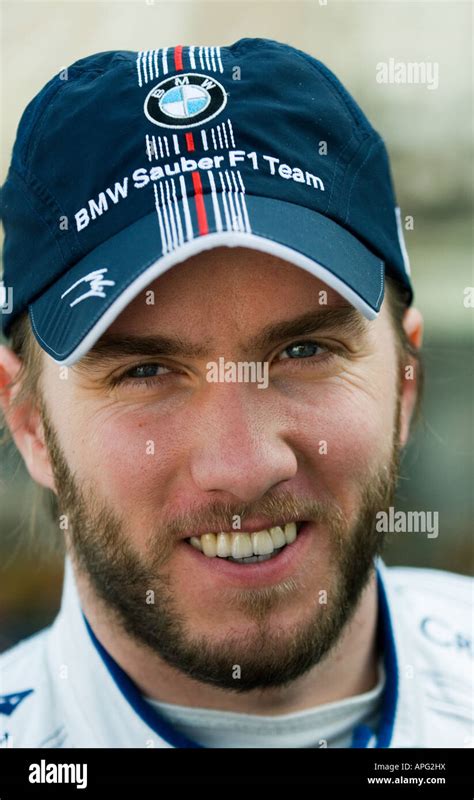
(428, 132)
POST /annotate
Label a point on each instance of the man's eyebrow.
(112, 347)
(345, 320)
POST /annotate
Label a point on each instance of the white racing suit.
(60, 688)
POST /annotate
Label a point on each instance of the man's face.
(143, 464)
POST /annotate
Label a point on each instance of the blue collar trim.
(134, 697)
(386, 643)
(362, 733)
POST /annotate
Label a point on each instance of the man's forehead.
(235, 277)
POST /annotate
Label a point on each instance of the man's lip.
(245, 527)
(221, 573)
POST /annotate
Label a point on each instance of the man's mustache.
(230, 517)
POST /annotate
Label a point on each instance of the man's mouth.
(247, 548)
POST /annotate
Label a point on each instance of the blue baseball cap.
(127, 163)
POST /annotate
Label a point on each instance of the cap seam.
(48, 106)
(36, 188)
(362, 124)
(22, 185)
(339, 158)
(40, 126)
(355, 115)
(374, 143)
(37, 115)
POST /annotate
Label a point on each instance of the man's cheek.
(359, 441)
(346, 436)
(130, 461)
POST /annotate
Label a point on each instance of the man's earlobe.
(24, 421)
(413, 326)
(10, 366)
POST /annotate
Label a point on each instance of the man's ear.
(24, 421)
(413, 325)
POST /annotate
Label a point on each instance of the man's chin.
(260, 650)
(276, 621)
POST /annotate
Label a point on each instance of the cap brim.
(68, 321)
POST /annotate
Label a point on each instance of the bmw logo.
(185, 101)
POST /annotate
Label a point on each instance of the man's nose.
(241, 448)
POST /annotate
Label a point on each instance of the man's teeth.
(237, 545)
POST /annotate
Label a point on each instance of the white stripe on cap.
(231, 133)
(215, 202)
(150, 65)
(165, 217)
(144, 67)
(165, 60)
(177, 212)
(139, 74)
(244, 203)
(213, 50)
(233, 213)
(224, 203)
(187, 213)
(171, 215)
(160, 221)
(239, 197)
(401, 240)
(148, 147)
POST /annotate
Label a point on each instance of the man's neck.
(350, 668)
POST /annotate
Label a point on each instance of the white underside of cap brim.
(198, 245)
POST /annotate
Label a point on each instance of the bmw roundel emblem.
(185, 101)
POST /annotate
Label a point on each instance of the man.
(217, 394)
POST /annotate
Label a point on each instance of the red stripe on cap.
(189, 141)
(200, 207)
(178, 57)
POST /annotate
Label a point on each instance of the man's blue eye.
(303, 349)
(142, 375)
(144, 371)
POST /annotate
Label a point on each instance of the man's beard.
(126, 580)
